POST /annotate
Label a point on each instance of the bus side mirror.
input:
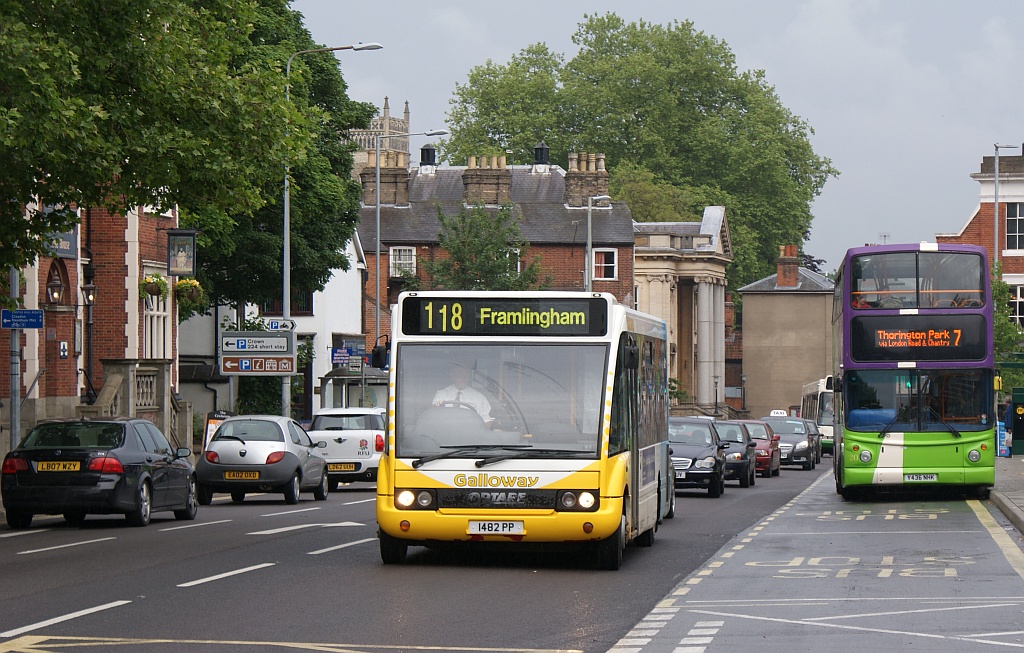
(379, 354)
(631, 357)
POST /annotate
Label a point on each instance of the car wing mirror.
(183, 452)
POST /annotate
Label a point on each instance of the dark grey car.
(698, 455)
(261, 453)
(741, 461)
(80, 467)
(796, 442)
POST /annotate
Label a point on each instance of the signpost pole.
(13, 284)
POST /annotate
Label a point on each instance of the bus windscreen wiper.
(464, 448)
(952, 429)
(534, 453)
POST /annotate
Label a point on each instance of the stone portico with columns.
(680, 276)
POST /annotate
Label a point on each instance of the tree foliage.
(668, 102)
(483, 252)
(240, 253)
(125, 103)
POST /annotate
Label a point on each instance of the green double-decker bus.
(913, 378)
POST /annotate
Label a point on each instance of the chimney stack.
(787, 275)
(394, 178)
(487, 180)
(586, 177)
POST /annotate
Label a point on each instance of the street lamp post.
(286, 261)
(995, 201)
(377, 138)
(589, 273)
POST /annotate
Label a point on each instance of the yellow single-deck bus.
(524, 420)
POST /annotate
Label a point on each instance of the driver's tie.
(458, 396)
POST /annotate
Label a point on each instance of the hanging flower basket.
(154, 285)
(187, 290)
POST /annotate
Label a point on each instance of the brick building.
(980, 227)
(105, 347)
(550, 204)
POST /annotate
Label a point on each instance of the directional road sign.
(258, 342)
(21, 318)
(258, 365)
(281, 325)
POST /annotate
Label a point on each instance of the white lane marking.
(205, 523)
(342, 546)
(896, 612)
(285, 529)
(65, 546)
(893, 532)
(226, 574)
(352, 503)
(57, 620)
(17, 533)
(289, 512)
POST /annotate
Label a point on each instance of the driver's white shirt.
(467, 395)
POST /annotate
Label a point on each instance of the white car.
(355, 441)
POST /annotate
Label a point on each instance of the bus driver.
(460, 392)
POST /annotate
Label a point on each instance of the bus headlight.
(865, 456)
(577, 501)
(414, 500)
(974, 455)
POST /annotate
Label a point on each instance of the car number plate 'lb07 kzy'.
(920, 478)
(496, 527)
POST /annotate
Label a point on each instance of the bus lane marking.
(65, 546)
(342, 546)
(205, 523)
(1010, 550)
(61, 642)
(56, 620)
(226, 574)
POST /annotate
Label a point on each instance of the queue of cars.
(80, 467)
(707, 452)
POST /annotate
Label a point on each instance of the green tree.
(124, 103)
(666, 99)
(483, 250)
(240, 252)
(1006, 335)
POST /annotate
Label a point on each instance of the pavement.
(1008, 492)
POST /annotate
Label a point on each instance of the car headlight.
(705, 463)
(762, 452)
(734, 456)
(800, 445)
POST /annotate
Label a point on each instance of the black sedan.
(741, 461)
(114, 466)
(698, 455)
(797, 443)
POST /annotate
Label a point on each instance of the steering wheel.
(457, 404)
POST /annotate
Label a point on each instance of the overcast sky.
(905, 97)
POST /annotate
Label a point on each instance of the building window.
(605, 264)
(1017, 305)
(302, 304)
(402, 261)
(1015, 225)
(156, 327)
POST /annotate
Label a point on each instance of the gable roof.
(807, 281)
(538, 200)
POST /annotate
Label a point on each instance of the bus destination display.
(918, 337)
(477, 316)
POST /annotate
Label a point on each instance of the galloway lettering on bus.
(489, 480)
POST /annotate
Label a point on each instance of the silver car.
(261, 453)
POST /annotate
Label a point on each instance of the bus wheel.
(609, 550)
(392, 549)
(671, 505)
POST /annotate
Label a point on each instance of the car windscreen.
(75, 434)
(730, 432)
(688, 433)
(790, 426)
(246, 430)
(757, 431)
